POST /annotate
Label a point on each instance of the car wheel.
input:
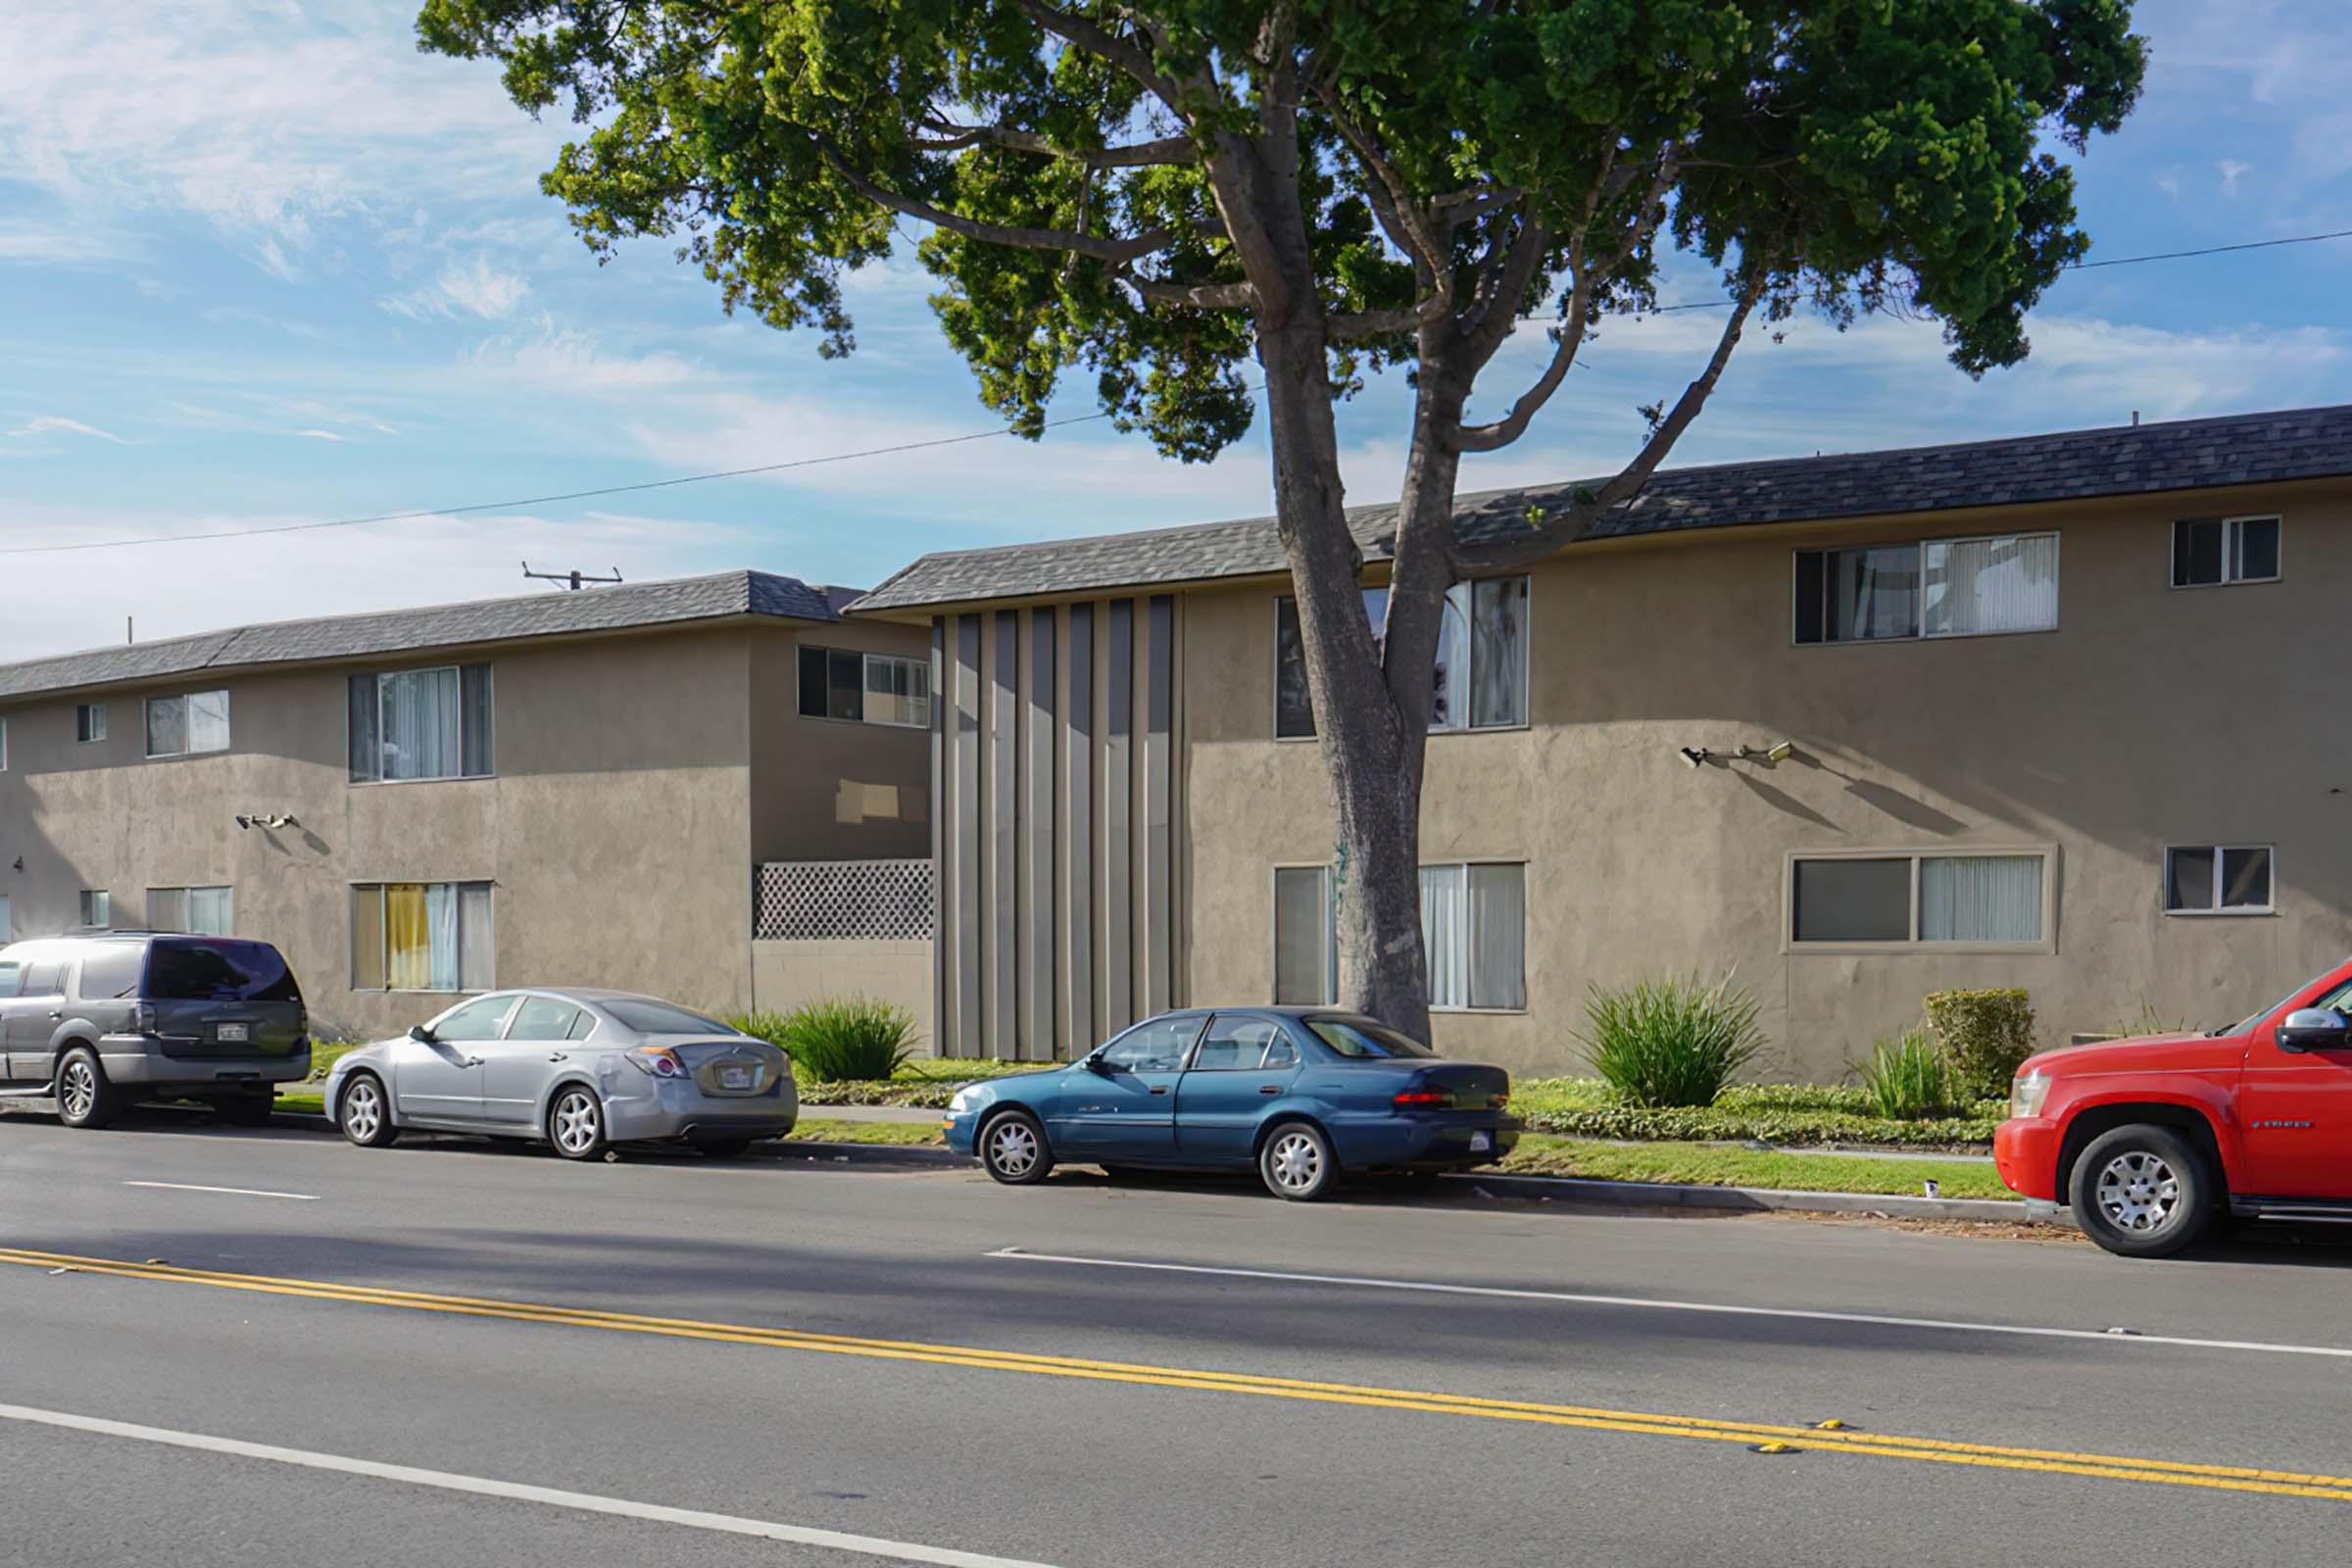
(247, 1110)
(2142, 1192)
(1012, 1145)
(575, 1122)
(724, 1148)
(1297, 1162)
(364, 1113)
(84, 1098)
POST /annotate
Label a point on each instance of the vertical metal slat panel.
(967, 1037)
(1078, 836)
(1156, 928)
(1118, 843)
(1002, 900)
(942, 932)
(1040, 828)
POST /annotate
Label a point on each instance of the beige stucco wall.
(830, 789)
(787, 974)
(2152, 717)
(618, 830)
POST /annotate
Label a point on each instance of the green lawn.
(1775, 1113)
(1719, 1165)
(866, 1132)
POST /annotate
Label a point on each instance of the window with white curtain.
(182, 726)
(421, 936)
(97, 908)
(410, 724)
(1307, 969)
(1996, 900)
(1473, 934)
(1935, 588)
(1481, 669)
(200, 911)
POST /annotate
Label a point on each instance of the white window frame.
(3, 743)
(1919, 632)
(1914, 942)
(865, 690)
(489, 672)
(1526, 673)
(2233, 553)
(1470, 930)
(92, 716)
(97, 900)
(147, 731)
(2215, 910)
(187, 896)
(352, 956)
(1331, 934)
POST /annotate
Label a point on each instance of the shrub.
(767, 1024)
(854, 1037)
(1984, 1034)
(1907, 1078)
(1670, 1042)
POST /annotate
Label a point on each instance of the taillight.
(1501, 1099)
(660, 1061)
(1422, 1096)
(142, 1018)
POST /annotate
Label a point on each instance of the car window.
(1282, 1051)
(650, 1017)
(41, 979)
(1156, 1045)
(112, 969)
(11, 973)
(543, 1019)
(215, 969)
(582, 1026)
(477, 1020)
(1361, 1037)
(1236, 1045)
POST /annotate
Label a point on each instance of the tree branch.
(1103, 247)
(1391, 203)
(1097, 39)
(1194, 296)
(1359, 325)
(1512, 425)
(1168, 150)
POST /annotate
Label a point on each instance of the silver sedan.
(581, 1069)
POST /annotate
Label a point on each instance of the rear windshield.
(217, 969)
(1361, 1037)
(650, 1017)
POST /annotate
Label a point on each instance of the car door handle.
(1159, 1089)
(473, 1061)
(1269, 1089)
(54, 1013)
(558, 1055)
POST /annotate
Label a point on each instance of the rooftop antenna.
(575, 579)
(128, 636)
(2135, 416)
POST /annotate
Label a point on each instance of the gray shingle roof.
(397, 631)
(2072, 466)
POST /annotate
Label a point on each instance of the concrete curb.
(1736, 1200)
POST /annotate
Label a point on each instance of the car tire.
(1013, 1149)
(575, 1122)
(364, 1113)
(2142, 1192)
(85, 1097)
(1297, 1162)
(723, 1147)
(247, 1110)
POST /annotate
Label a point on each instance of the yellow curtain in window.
(408, 943)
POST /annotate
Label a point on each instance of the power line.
(918, 446)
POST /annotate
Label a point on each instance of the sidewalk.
(911, 1116)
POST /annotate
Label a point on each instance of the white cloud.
(321, 435)
(562, 359)
(57, 246)
(2233, 170)
(479, 289)
(58, 424)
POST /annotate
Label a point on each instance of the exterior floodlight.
(1782, 752)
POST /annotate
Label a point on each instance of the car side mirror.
(1095, 1062)
(421, 1034)
(2314, 1029)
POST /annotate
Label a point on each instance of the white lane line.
(235, 1192)
(514, 1491)
(1654, 1303)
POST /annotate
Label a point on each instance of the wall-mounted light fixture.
(1692, 756)
(1777, 751)
(246, 820)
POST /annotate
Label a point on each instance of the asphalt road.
(450, 1352)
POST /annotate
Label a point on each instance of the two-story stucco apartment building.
(2058, 712)
(563, 788)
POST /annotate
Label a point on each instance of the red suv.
(2149, 1140)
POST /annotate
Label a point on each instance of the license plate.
(734, 1077)
(1480, 1142)
(229, 1033)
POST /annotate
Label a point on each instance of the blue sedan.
(1297, 1094)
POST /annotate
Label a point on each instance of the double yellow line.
(1933, 1450)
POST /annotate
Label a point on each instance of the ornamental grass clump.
(1908, 1078)
(847, 1038)
(1671, 1042)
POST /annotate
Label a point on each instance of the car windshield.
(2245, 1024)
(650, 1017)
(206, 970)
(1361, 1037)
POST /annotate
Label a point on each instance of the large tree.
(1187, 197)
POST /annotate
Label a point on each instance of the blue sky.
(263, 263)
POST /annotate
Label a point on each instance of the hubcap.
(1012, 1147)
(2138, 1191)
(79, 1088)
(1296, 1161)
(363, 1111)
(575, 1123)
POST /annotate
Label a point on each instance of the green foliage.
(1907, 1078)
(2149, 1021)
(1672, 1042)
(1798, 1115)
(844, 1038)
(1984, 1035)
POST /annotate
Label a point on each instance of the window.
(875, 688)
(1157, 1044)
(650, 1017)
(1992, 899)
(1938, 588)
(3, 744)
(112, 969)
(1474, 932)
(210, 970)
(1306, 959)
(2218, 879)
(8, 926)
(1362, 1038)
(1480, 674)
(12, 977)
(543, 1019)
(421, 936)
(420, 724)
(89, 722)
(183, 726)
(479, 1019)
(2212, 551)
(97, 908)
(1238, 1045)
(204, 911)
